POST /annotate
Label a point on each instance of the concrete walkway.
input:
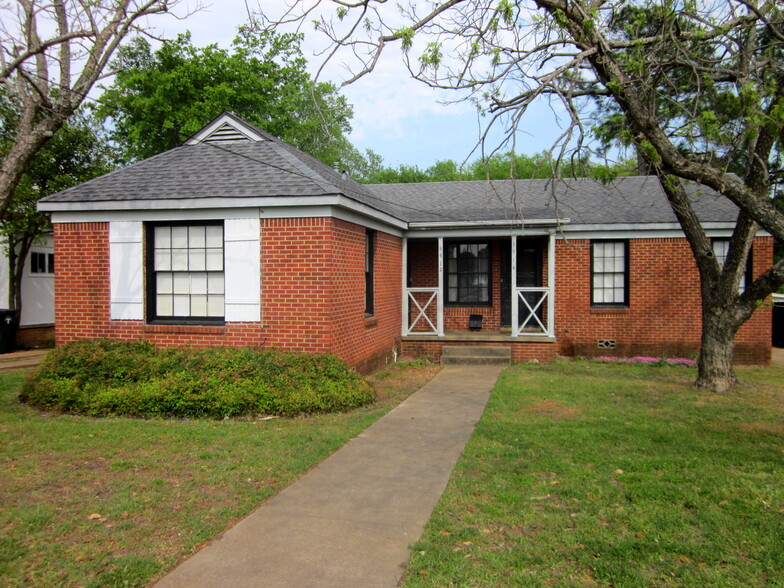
(777, 356)
(22, 359)
(350, 520)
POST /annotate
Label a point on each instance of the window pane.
(215, 283)
(50, 257)
(199, 305)
(179, 237)
(214, 236)
(182, 283)
(181, 305)
(163, 237)
(196, 260)
(163, 260)
(199, 283)
(164, 305)
(196, 237)
(179, 260)
(214, 260)
(164, 283)
(598, 265)
(215, 306)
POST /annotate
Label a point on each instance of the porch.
(480, 291)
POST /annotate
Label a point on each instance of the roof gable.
(226, 128)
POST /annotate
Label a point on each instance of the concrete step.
(475, 355)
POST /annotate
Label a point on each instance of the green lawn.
(118, 501)
(584, 473)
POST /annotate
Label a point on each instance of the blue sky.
(400, 119)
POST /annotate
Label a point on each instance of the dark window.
(468, 274)
(610, 273)
(721, 249)
(370, 247)
(41, 263)
(185, 279)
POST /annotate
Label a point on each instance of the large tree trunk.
(715, 371)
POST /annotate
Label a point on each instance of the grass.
(582, 473)
(118, 501)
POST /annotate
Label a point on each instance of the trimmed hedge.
(136, 378)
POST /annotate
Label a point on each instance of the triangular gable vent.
(225, 133)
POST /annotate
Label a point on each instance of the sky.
(395, 116)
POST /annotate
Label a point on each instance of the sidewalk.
(22, 359)
(350, 520)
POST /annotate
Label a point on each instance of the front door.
(529, 275)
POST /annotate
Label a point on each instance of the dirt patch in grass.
(552, 409)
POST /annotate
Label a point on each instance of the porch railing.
(533, 312)
(424, 300)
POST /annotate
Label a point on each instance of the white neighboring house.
(37, 320)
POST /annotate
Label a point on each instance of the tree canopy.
(696, 86)
(77, 152)
(161, 98)
(52, 52)
(499, 166)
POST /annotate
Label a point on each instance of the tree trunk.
(715, 370)
(17, 258)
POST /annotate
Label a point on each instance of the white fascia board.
(217, 208)
(488, 223)
(365, 221)
(219, 122)
(147, 215)
(186, 203)
(480, 233)
(642, 231)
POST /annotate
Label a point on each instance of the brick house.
(236, 238)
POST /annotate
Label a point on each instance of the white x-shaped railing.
(422, 309)
(532, 307)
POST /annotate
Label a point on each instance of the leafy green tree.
(76, 153)
(500, 166)
(696, 87)
(52, 52)
(161, 98)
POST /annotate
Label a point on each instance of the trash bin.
(9, 323)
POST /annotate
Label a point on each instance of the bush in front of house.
(136, 378)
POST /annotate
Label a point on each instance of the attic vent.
(225, 133)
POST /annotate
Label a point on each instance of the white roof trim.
(488, 223)
(224, 119)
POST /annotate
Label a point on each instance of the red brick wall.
(295, 283)
(365, 341)
(664, 313)
(312, 292)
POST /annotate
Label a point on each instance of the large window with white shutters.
(185, 272)
(610, 273)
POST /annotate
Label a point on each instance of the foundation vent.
(606, 343)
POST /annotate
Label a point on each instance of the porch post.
(513, 281)
(440, 287)
(404, 290)
(551, 284)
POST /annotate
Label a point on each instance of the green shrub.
(136, 378)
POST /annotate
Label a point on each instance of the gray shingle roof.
(628, 200)
(237, 170)
(271, 168)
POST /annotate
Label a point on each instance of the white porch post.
(441, 291)
(404, 288)
(513, 282)
(551, 284)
